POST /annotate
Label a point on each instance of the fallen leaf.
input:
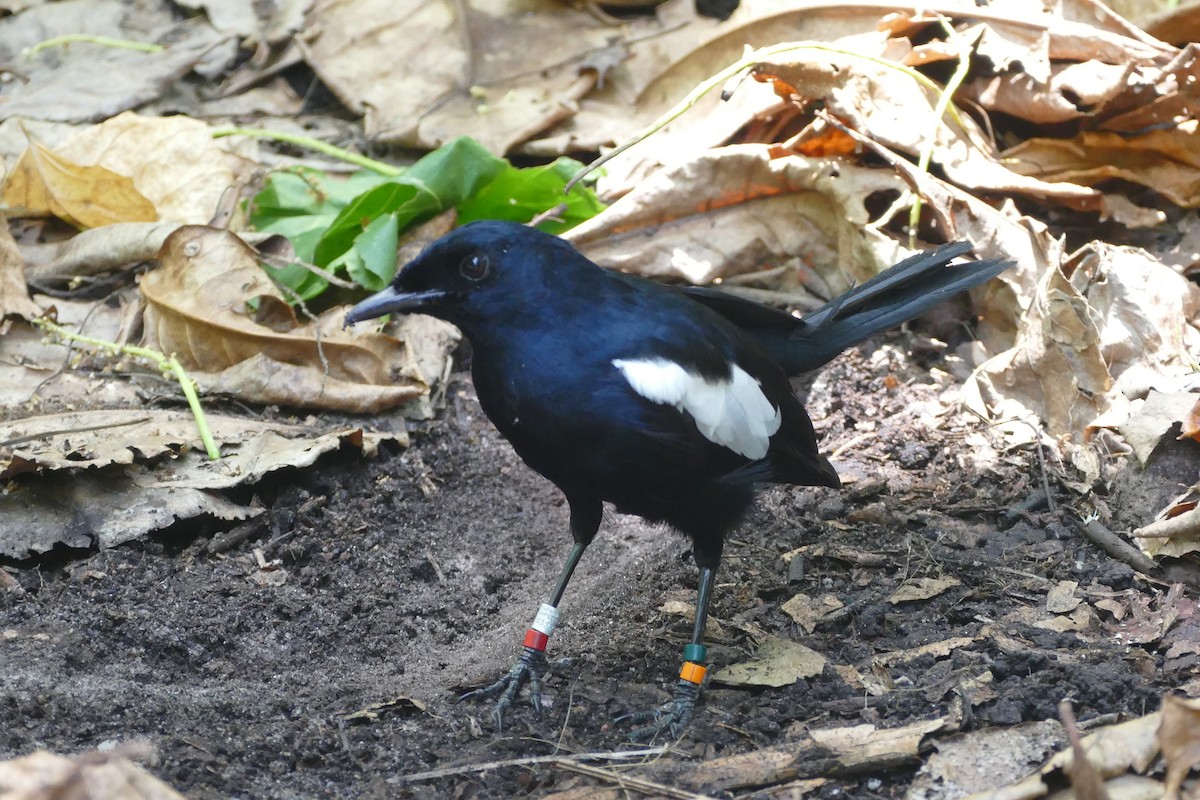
(1153, 420)
(46, 184)
(88, 82)
(196, 308)
(922, 589)
(806, 612)
(1167, 161)
(1061, 598)
(776, 662)
(753, 211)
(100, 250)
(939, 649)
(374, 711)
(169, 478)
(42, 775)
(985, 759)
(1112, 750)
(14, 296)
(173, 162)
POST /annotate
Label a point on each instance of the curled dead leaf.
(44, 183)
(197, 308)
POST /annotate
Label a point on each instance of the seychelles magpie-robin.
(672, 404)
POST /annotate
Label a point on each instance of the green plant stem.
(379, 167)
(944, 99)
(165, 363)
(120, 44)
(749, 62)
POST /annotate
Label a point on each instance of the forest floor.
(405, 580)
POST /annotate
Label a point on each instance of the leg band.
(692, 672)
(536, 639)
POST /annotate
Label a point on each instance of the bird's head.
(485, 272)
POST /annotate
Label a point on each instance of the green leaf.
(407, 200)
(520, 195)
(352, 224)
(456, 170)
(375, 249)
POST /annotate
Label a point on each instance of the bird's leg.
(531, 664)
(673, 717)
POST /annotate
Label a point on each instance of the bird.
(670, 403)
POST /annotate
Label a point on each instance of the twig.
(386, 170)
(165, 363)
(550, 214)
(943, 102)
(46, 434)
(1115, 546)
(747, 62)
(279, 262)
(120, 44)
(462, 769)
(628, 782)
(1085, 779)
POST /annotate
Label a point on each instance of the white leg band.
(546, 619)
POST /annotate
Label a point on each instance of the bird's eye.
(474, 267)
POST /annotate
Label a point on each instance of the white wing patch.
(733, 413)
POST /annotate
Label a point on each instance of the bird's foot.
(529, 667)
(671, 718)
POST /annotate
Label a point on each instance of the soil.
(409, 579)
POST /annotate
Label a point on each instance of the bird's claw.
(530, 667)
(671, 718)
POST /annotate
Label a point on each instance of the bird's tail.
(893, 297)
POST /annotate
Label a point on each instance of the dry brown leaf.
(170, 476)
(89, 440)
(105, 249)
(806, 612)
(91, 81)
(922, 589)
(1071, 91)
(1082, 351)
(1175, 536)
(14, 296)
(507, 72)
(1112, 751)
(42, 775)
(777, 662)
(1167, 161)
(1061, 598)
(936, 649)
(890, 106)
(46, 184)
(985, 758)
(196, 308)
(751, 211)
(1152, 420)
(174, 162)
(1179, 25)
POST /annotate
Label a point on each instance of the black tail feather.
(893, 297)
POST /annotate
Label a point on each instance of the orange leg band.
(692, 672)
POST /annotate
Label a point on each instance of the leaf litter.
(1086, 113)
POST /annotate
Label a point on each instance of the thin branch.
(463, 769)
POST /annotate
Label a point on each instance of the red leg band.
(536, 639)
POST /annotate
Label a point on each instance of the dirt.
(407, 579)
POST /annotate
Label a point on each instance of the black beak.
(390, 301)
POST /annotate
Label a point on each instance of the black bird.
(672, 404)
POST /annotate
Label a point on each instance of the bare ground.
(413, 576)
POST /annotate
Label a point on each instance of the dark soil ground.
(412, 577)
